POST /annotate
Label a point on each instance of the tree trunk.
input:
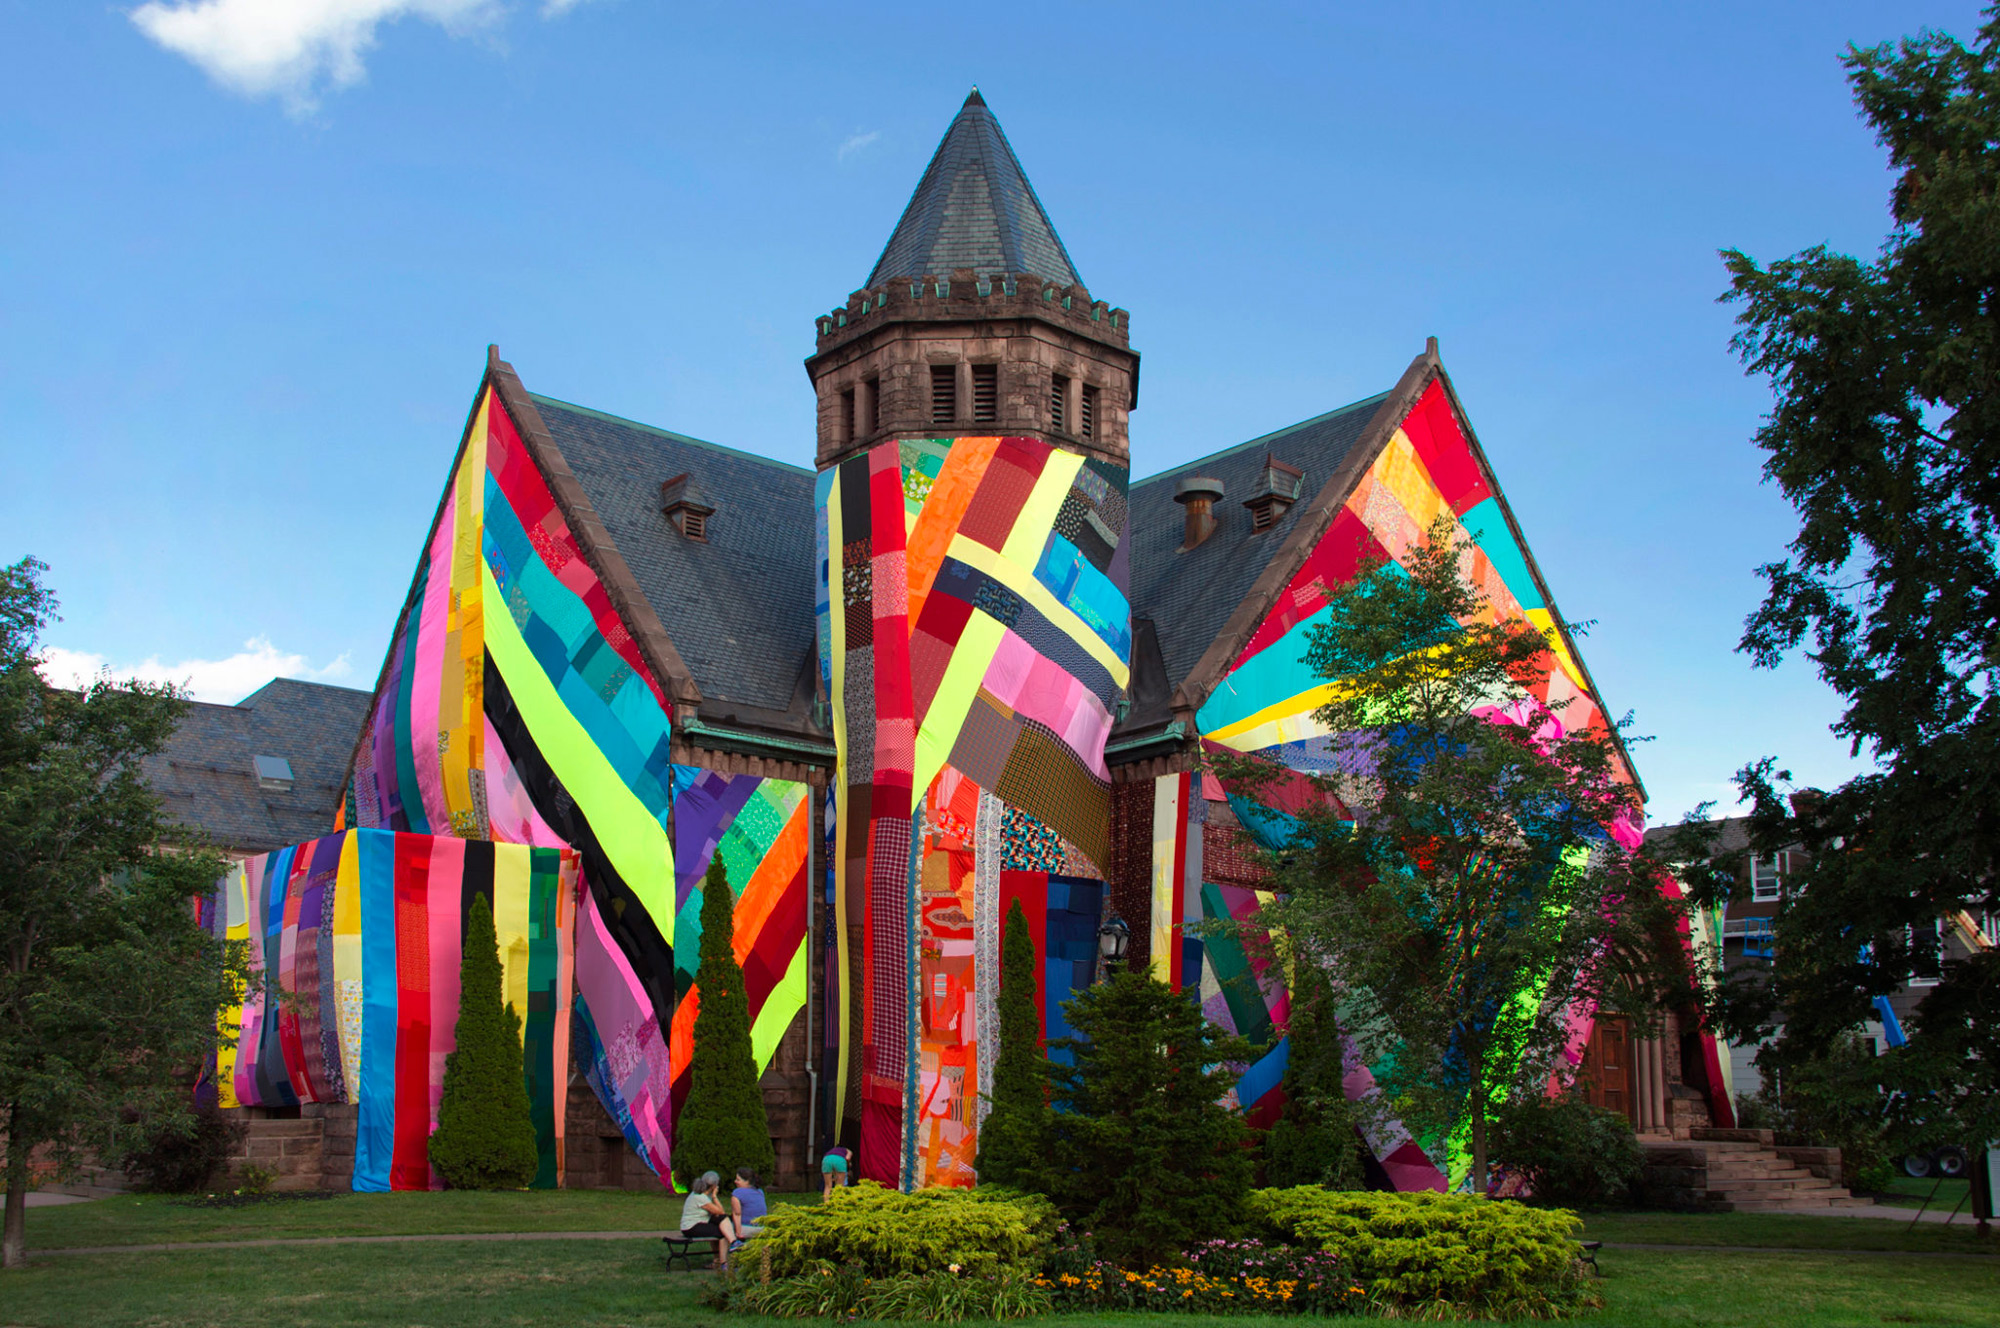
(14, 1252)
(1476, 1107)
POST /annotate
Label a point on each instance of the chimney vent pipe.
(1198, 495)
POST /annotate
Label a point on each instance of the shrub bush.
(1443, 1255)
(485, 1136)
(883, 1234)
(1569, 1151)
(722, 1126)
(1014, 1138)
(180, 1157)
(944, 1296)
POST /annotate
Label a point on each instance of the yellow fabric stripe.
(956, 692)
(635, 842)
(461, 704)
(781, 1006)
(235, 905)
(347, 959)
(1023, 583)
(512, 875)
(836, 630)
(1038, 515)
(1166, 816)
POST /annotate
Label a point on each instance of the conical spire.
(974, 208)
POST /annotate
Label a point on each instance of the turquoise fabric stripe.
(1488, 526)
(407, 789)
(375, 1127)
(1089, 593)
(610, 700)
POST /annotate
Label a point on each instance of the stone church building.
(964, 662)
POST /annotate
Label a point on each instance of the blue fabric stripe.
(375, 1126)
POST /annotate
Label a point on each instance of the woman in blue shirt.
(746, 1205)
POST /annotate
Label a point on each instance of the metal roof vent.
(1198, 494)
(684, 503)
(273, 772)
(1276, 489)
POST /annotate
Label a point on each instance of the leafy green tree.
(723, 1126)
(1314, 1142)
(1144, 1153)
(1885, 437)
(109, 989)
(1472, 893)
(485, 1136)
(1013, 1139)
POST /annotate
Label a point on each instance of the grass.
(599, 1284)
(1909, 1192)
(158, 1219)
(608, 1284)
(1795, 1231)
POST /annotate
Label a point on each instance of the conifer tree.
(1144, 1152)
(722, 1126)
(1013, 1140)
(1314, 1142)
(485, 1138)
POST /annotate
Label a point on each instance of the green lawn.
(598, 1284)
(1909, 1192)
(1793, 1231)
(156, 1219)
(606, 1284)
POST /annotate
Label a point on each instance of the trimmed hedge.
(1447, 1255)
(880, 1233)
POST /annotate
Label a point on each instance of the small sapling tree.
(723, 1126)
(485, 1138)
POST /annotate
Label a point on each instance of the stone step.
(1758, 1173)
(1750, 1184)
(282, 1129)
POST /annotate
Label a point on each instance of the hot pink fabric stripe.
(429, 675)
(446, 888)
(245, 1074)
(510, 814)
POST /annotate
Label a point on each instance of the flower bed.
(1219, 1277)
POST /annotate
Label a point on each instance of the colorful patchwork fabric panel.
(974, 616)
(1427, 469)
(517, 707)
(355, 941)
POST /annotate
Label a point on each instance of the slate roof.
(739, 607)
(974, 208)
(207, 780)
(1190, 596)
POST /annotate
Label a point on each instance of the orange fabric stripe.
(943, 510)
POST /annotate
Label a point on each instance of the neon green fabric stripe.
(780, 1007)
(635, 842)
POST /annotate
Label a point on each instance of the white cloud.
(224, 681)
(855, 143)
(292, 48)
(557, 8)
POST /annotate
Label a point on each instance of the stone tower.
(974, 321)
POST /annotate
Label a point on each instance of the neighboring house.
(1744, 931)
(965, 661)
(265, 772)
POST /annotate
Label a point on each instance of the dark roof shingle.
(207, 778)
(974, 208)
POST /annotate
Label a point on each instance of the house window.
(1989, 926)
(1765, 878)
(1926, 954)
(1263, 516)
(847, 420)
(1759, 941)
(1087, 413)
(871, 406)
(985, 393)
(944, 394)
(694, 525)
(1059, 403)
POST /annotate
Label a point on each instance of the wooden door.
(1606, 1072)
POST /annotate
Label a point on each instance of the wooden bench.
(1590, 1249)
(681, 1249)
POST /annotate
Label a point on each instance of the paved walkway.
(49, 1198)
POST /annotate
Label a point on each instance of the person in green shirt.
(703, 1217)
(832, 1171)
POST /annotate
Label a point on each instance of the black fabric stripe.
(633, 930)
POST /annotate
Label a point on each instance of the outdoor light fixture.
(1111, 940)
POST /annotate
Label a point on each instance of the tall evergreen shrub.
(1013, 1140)
(722, 1126)
(1145, 1154)
(1314, 1142)
(485, 1138)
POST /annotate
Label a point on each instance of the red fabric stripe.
(1176, 946)
(1032, 889)
(1334, 561)
(289, 1044)
(409, 1166)
(1441, 445)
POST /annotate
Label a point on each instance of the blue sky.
(250, 262)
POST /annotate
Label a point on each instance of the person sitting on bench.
(747, 1205)
(704, 1218)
